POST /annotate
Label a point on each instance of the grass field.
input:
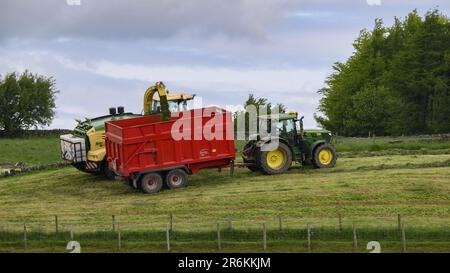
(30, 150)
(44, 150)
(368, 191)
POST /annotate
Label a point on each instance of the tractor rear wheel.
(177, 178)
(276, 161)
(324, 156)
(151, 183)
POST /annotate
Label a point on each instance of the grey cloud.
(118, 19)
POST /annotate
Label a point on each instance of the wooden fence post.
(230, 222)
(25, 239)
(308, 231)
(264, 236)
(168, 237)
(170, 221)
(403, 238)
(56, 224)
(71, 232)
(113, 219)
(219, 244)
(280, 222)
(340, 221)
(232, 168)
(355, 239)
(119, 238)
(399, 221)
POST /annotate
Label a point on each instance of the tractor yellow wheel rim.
(275, 159)
(325, 156)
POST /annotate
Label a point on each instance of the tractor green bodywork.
(98, 124)
(301, 142)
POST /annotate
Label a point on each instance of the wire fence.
(225, 235)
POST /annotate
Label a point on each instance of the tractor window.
(156, 107)
(287, 127)
(283, 127)
(183, 106)
(298, 127)
(173, 106)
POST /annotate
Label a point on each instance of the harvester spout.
(160, 88)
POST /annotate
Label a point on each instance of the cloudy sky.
(105, 53)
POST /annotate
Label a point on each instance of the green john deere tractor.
(275, 152)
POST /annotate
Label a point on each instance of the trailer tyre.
(151, 183)
(177, 178)
(104, 168)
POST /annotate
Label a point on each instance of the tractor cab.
(289, 126)
(286, 124)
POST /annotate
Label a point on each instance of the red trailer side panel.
(145, 143)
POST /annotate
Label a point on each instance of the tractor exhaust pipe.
(112, 111)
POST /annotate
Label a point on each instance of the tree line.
(397, 82)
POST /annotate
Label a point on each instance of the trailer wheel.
(324, 156)
(151, 183)
(129, 182)
(177, 178)
(276, 161)
(104, 169)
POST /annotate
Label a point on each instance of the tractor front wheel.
(324, 156)
(276, 161)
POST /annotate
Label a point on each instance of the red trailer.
(145, 153)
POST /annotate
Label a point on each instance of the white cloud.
(87, 89)
(374, 2)
(106, 52)
(116, 19)
(216, 79)
(70, 109)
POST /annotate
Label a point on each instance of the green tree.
(26, 100)
(396, 82)
(373, 108)
(439, 118)
(258, 103)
